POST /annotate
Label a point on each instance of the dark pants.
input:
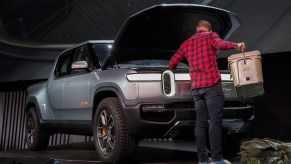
(209, 104)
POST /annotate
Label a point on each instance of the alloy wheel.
(30, 128)
(106, 132)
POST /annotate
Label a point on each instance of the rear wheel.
(112, 142)
(36, 137)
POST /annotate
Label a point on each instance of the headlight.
(168, 80)
(144, 77)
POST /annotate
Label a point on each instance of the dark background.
(36, 24)
(33, 33)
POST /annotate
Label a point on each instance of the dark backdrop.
(273, 110)
(265, 23)
(265, 26)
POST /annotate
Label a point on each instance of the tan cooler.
(246, 71)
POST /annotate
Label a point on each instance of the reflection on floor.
(150, 151)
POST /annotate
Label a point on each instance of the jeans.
(209, 104)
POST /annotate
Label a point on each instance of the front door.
(77, 92)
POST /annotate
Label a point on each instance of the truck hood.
(157, 32)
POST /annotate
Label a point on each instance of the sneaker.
(220, 162)
(207, 162)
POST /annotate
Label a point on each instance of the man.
(200, 52)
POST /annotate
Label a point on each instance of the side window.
(63, 65)
(82, 54)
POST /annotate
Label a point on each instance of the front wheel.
(112, 142)
(36, 137)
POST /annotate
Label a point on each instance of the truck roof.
(86, 42)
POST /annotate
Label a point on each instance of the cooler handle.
(243, 52)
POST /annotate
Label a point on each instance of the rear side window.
(63, 67)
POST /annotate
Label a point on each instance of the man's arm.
(220, 44)
(177, 57)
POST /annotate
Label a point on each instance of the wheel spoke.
(31, 135)
(112, 121)
(103, 118)
(30, 121)
(112, 139)
(107, 146)
(111, 145)
(32, 138)
(107, 116)
(30, 125)
(104, 145)
(110, 118)
(101, 136)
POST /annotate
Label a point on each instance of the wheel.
(112, 142)
(36, 137)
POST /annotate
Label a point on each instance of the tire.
(112, 142)
(36, 137)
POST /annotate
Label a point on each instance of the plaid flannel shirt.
(200, 52)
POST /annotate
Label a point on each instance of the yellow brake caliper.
(103, 132)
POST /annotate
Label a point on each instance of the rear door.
(56, 82)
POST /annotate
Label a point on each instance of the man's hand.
(241, 46)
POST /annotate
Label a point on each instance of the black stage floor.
(149, 152)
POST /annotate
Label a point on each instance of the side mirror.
(80, 65)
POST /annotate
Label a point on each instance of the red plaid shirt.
(200, 52)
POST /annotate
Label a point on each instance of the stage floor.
(150, 151)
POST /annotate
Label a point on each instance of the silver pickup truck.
(121, 91)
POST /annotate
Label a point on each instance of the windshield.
(101, 50)
(150, 63)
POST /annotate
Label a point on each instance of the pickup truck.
(121, 91)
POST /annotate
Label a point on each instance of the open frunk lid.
(157, 32)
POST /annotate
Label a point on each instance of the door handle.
(68, 83)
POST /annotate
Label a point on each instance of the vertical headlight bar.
(168, 81)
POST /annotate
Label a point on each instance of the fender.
(35, 102)
(115, 90)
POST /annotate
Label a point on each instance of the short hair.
(204, 23)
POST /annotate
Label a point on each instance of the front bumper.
(180, 121)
